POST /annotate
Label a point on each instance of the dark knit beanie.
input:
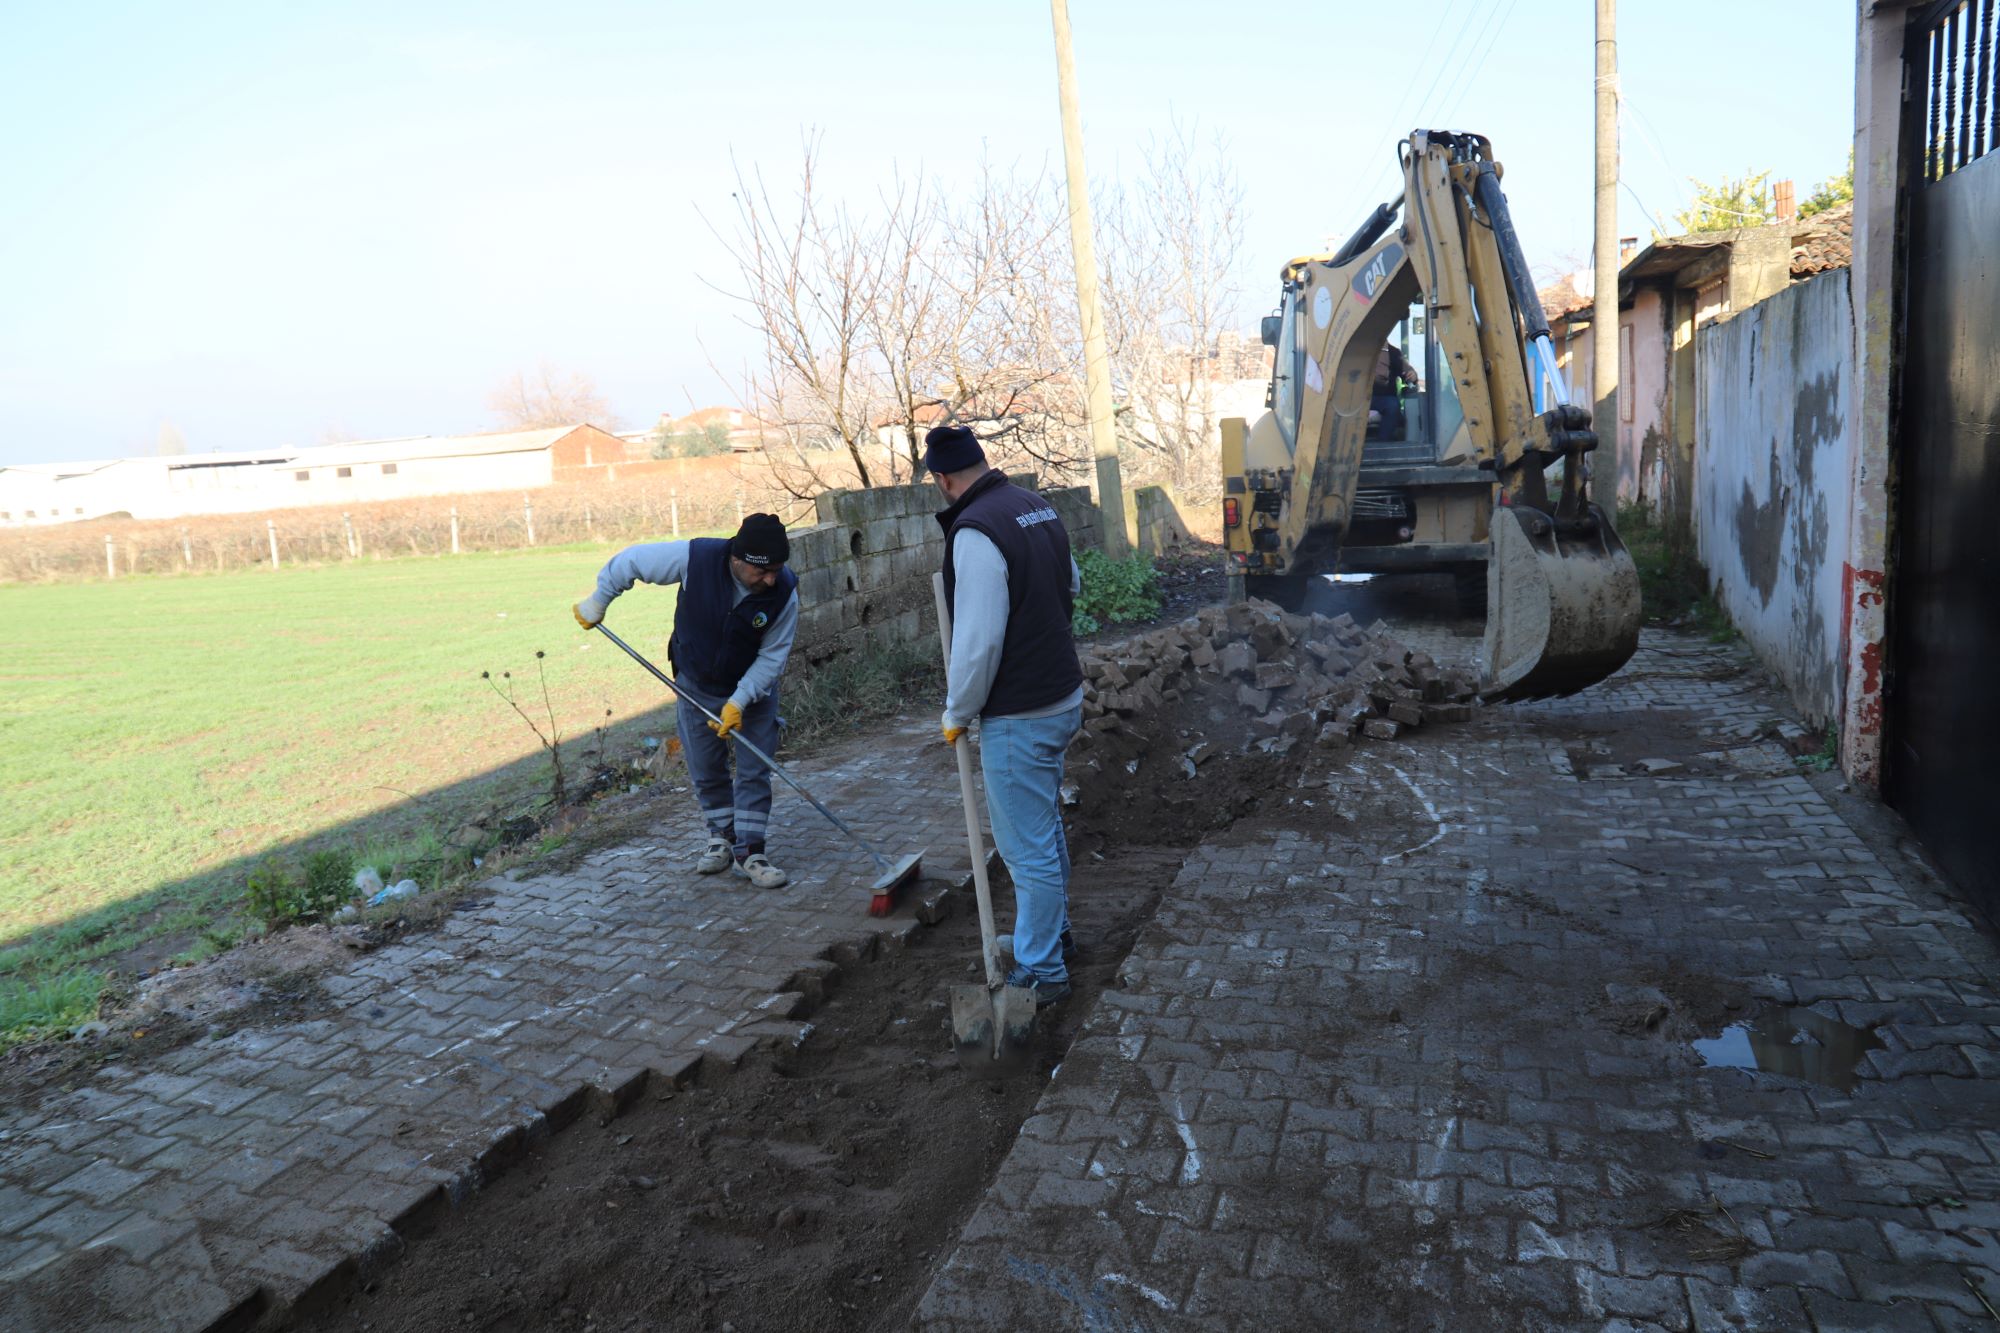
(761, 541)
(952, 449)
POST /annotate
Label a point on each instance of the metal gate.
(1944, 693)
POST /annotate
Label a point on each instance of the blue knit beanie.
(952, 449)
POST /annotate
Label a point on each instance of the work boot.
(759, 871)
(1046, 992)
(719, 855)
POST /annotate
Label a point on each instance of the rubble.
(1263, 680)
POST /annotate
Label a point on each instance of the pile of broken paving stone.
(1276, 680)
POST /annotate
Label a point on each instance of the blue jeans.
(1022, 758)
(738, 809)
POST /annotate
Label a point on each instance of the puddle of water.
(1797, 1043)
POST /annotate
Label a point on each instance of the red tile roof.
(1825, 241)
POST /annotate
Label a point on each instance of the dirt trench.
(806, 1189)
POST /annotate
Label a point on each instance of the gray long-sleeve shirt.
(667, 562)
(979, 628)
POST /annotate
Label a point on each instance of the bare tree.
(940, 307)
(1173, 309)
(548, 397)
(808, 278)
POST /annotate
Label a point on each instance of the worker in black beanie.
(734, 622)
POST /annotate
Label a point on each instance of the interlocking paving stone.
(1316, 1092)
(163, 1197)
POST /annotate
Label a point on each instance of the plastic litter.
(402, 888)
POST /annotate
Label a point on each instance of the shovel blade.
(993, 1031)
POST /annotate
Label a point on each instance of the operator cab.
(1413, 406)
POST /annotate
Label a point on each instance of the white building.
(178, 486)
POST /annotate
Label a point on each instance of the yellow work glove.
(951, 733)
(589, 612)
(732, 718)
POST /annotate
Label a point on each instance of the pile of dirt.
(1187, 728)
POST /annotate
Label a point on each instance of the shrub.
(278, 898)
(1114, 592)
(845, 692)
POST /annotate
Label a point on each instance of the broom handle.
(744, 741)
(988, 935)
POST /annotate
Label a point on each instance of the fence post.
(187, 549)
(528, 512)
(271, 531)
(110, 559)
(454, 529)
(674, 508)
(589, 528)
(347, 525)
(739, 506)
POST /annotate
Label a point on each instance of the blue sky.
(267, 223)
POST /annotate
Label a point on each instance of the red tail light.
(1232, 513)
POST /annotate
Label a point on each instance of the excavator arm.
(1561, 593)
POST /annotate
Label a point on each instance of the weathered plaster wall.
(1645, 379)
(1775, 440)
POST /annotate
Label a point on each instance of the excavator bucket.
(1562, 606)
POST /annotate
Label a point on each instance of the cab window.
(1285, 372)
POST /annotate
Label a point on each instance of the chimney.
(1782, 196)
(1627, 246)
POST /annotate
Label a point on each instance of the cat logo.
(1368, 282)
(760, 620)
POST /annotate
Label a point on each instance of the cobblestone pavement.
(1414, 1052)
(236, 1174)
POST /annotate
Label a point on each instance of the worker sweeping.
(734, 622)
(1010, 585)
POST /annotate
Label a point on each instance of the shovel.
(992, 1026)
(891, 877)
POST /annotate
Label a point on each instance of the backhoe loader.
(1418, 422)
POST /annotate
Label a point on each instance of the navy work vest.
(715, 642)
(1038, 665)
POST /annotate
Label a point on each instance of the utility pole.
(1604, 297)
(1096, 359)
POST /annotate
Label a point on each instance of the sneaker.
(718, 856)
(760, 872)
(1046, 992)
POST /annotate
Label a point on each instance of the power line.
(1375, 184)
(1395, 128)
(1472, 76)
(1658, 230)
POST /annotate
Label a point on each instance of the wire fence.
(635, 510)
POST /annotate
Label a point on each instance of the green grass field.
(157, 734)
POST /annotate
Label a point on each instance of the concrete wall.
(1878, 173)
(1774, 460)
(1162, 528)
(865, 568)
